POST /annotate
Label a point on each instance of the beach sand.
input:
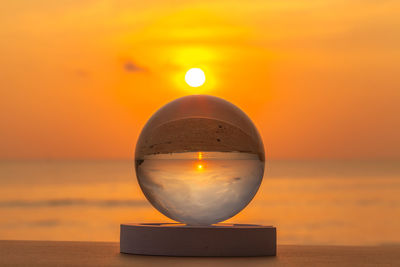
(199, 123)
(197, 134)
(51, 253)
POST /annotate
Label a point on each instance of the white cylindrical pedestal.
(173, 239)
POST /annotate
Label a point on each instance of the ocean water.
(310, 202)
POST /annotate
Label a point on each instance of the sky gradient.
(320, 79)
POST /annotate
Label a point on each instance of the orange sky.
(79, 79)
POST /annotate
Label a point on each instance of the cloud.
(130, 66)
(81, 73)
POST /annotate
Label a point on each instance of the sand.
(50, 253)
(197, 134)
(199, 123)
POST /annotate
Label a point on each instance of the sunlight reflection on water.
(309, 203)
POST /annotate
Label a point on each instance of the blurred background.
(319, 79)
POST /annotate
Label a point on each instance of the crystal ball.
(199, 160)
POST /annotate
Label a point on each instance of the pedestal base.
(173, 239)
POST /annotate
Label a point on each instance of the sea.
(313, 202)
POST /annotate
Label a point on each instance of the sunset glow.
(195, 77)
(289, 107)
(199, 167)
(128, 59)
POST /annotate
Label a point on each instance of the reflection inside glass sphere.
(199, 160)
(200, 191)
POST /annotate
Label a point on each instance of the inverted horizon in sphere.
(199, 167)
(200, 192)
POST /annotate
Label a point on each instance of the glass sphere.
(199, 160)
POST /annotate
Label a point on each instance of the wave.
(73, 202)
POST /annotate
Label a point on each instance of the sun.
(195, 77)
